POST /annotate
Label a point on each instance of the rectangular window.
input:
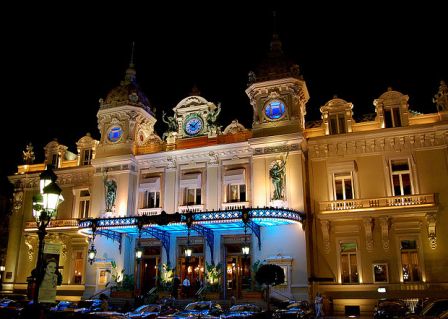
(152, 199)
(79, 267)
(392, 117)
(236, 193)
(349, 263)
(86, 157)
(84, 204)
(337, 123)
(380, 273)
(55, 160)
(102, 279)
(192, 196)
(409, 261)
(401, 177)
(343, 186)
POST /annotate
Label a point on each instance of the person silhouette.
(318, 304)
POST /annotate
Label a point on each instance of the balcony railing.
(191, 208)
(54, 223)
(235, 205)
(149, 211)
(423, 200)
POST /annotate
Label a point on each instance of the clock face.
(275, 110)
(114, 134)
(193, 125)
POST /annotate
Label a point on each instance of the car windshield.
(147, 308)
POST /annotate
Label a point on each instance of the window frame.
(338, 117)
(88, 152)
(81, 203)
(391, 113)
(374, 276)
(400, 174)
(419, 249)
(342, 178)
(346, 167)
(347, 240)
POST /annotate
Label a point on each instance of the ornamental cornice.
(210, 156)
(367, 144)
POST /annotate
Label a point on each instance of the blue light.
(275, 110)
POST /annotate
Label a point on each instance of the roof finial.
(130, 72)
(274, 21)
(131, 64)
(195, 91)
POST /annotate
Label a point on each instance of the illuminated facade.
(378, 189)
(345, 207)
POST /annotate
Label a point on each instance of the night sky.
(56, 66)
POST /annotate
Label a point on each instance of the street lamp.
(138, 250)
(188, 250)
(245, 218)
(91, 254)
(45, 206)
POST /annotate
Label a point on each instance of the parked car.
(150, 311)
(245, 311)
(63, 309)
(10, 308)
(105, 315)
(296, 310)
(390, 308)
(203, 309)
(89, 305)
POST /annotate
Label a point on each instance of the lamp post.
(45, 206)
(138, 250)
(188, 250)
(91, 254)
(245, 217)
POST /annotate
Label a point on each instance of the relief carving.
(431, 221)
(368, 227)
(325, 225)
(384, 224)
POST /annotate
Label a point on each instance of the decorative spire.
(130, 76)
(276, 44)
(195, 91)
(131, 64)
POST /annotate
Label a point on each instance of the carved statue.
(277, 174)
(252, 78)
(212, 116)
(441, 98)
(28, 154)
(110, 188)
(171, 121)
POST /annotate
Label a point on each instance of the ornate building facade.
(344, 207)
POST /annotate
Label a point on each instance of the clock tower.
(195, 116)
(278, 94)
(125, 118)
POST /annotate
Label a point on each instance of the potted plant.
(121, 284)
(165, 278)
(213, 276)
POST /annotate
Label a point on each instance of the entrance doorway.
(149, 268)
(238, 272)
(192, 267)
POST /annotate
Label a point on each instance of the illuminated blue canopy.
(162, 225)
